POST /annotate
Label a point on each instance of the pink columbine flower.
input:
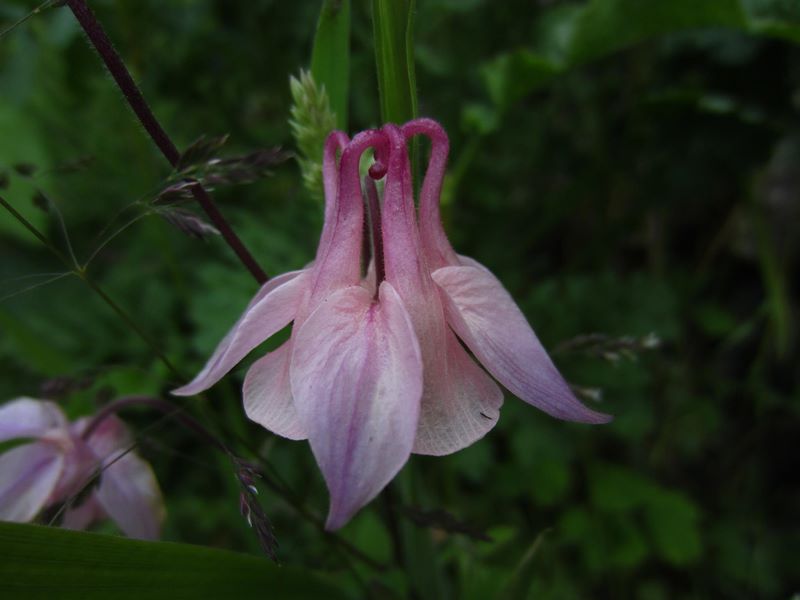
(59, 460)
(374, 369)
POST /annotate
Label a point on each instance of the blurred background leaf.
(42, 562)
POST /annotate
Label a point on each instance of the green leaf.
(420, 557)
(519, 583)
(606, 26)
(550, 481)
(393, 30)
(774, 28)
(330, 58)
(511, 77)
(31, 349)
(617, 489)
(20, 143)
(44, 562)
(580, 34)
(673, 522)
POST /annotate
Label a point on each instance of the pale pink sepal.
(461, 407)
(356, 379)
(29, 418)
(267, 394)
(30, 473)
(271, 310)
(128, 491)
(487, 319)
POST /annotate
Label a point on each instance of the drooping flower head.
(375, 368)
(59, 460)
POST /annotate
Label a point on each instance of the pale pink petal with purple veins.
(487, 319)
(29, 418)
(271, 310)
(464, 405)
(268, 395)
(356, 379)
(28, 475)
(129, 494)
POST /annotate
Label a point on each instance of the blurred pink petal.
(128, 490)
(28, 475)
(29, 418)
(61, 466)
(357, 379)
(130, 495)
(84, 514)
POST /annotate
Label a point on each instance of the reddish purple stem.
(98, 38)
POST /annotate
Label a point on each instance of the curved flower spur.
(374, 369)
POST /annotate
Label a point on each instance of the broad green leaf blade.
(45, 562)
(598, 28)
(330, 58)
(606, 26)
(393, 30)
(513, 76)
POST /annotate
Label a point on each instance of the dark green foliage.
(67, 564)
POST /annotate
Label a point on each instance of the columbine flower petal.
(357, 379)
(481, 311)
(83, 515)
(28, 475)
(128, 490)
(28, 418)
(370, 378)
(487, 319)
(129, 494)
(61, 463)
(456, 391)
(267, 394)
(272, 309)
(461, 407)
